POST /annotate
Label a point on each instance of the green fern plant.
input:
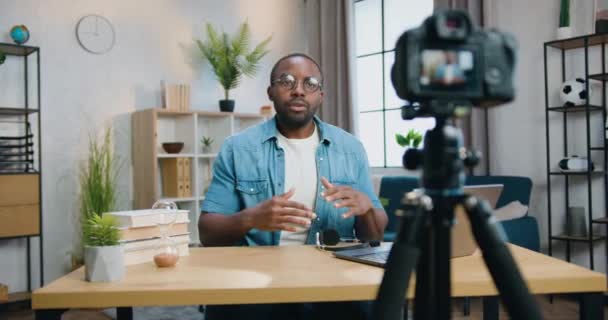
(412, 139)
(230, 57)
(100, 231)
(98, 178)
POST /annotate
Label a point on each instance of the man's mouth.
(297, 106)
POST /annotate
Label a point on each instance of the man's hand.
(278, 213)
(357, 202)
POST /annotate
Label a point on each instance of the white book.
(145, 217)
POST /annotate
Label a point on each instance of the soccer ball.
(573, 93)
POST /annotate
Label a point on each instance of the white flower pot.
(564, 32)
(103, 264)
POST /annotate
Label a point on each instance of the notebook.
(463, 242)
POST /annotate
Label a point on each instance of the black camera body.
(448, 59)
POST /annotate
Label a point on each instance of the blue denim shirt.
(250, 169)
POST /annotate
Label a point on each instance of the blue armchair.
(521, 231)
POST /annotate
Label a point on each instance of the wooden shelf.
(578, 42)
(565, 237)
(16, 111)
(597, 148)
(17, 297)
(17, 50)
(175, 155)
(581, 108)
(599, 76)
(584, 173)
(601, 220)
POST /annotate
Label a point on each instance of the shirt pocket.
(252, 192)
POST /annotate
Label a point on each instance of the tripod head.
(443, 157)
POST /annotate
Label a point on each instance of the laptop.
(463, 243)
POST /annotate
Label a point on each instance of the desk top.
(231, 275)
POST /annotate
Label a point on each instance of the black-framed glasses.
(288, 82)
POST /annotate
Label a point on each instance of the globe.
(20, 34)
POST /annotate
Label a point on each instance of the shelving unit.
(589, 110)
(152, 127)
(20, 164)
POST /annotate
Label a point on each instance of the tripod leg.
(513, 290)
(399, 265)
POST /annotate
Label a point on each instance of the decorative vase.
(103, 264)
(227, 105)
(207, 149)
(577, 226)
(564, 32)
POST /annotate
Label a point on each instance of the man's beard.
(293, 120)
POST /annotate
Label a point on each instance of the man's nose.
(298, 90)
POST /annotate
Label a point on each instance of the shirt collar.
(270, 130)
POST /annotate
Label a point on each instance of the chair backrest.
(393, 188)
(515, 187)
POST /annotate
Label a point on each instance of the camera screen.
(446, 69)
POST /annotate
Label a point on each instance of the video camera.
(447, 59)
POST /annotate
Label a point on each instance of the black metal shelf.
(17, 50)
(23, 143)
(565, 237)
(581, 108)
(16, 111)
(588, 110)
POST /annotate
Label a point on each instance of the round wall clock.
(95, 34)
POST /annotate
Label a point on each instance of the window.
(378, 25)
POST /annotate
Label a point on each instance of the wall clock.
(95, 34)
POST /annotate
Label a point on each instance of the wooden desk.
(238, 275)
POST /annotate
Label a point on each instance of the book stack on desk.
(140, 234)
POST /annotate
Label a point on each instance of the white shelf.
(207, 155)
(175, 155)
(181, 199)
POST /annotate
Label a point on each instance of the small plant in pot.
(206, 142)
(230, 58)
(565, 30)
(412, 139)
(103, 257)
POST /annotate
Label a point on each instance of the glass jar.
(166, 253)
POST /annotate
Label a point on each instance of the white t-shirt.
(301, 174)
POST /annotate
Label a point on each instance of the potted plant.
(564, 31)
(97, 185)
(412, 139)
(103, 259)
(206, 142)
(230, 58)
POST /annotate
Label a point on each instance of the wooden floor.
(560, 309)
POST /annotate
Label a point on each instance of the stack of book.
(175, 97)
(140, 233)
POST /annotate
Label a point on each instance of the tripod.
(424, 237)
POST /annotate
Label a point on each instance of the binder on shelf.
(175, 97)
(176, 179)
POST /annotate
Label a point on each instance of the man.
(282, 182)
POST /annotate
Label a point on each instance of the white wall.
(517, 130)
(82, 93)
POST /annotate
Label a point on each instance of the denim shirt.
(250, 169)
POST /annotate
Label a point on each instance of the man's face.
(296, 105)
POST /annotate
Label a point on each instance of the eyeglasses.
(288, 82)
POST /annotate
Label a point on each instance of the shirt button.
(321, 159)
(251, 189)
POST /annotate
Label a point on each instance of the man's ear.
(269, 92)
